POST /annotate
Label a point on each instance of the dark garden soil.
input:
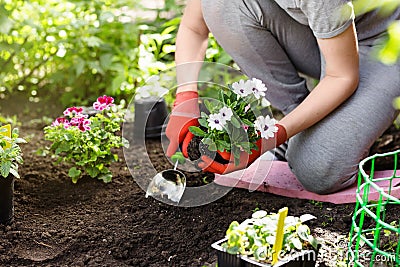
(58, 223)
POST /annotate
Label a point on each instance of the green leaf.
(237, 159)
(396, 103)
(207, 141)
(68, 136)
(233, 250)
(5, 168)
(203, 122)
(92, 41)
(209, 106)
(297, 243)
(116, 84)
(259, 214)
(197, 131)
(74, 173)
(260, 253)
(313, 241)
(247, 122)
(63, 147)
(92, 171)
(222, 145)
(235, 135)
(390, 53)
(307, 217)
(221, 96)
(178, 156)
(246, 147)
(14, 172)
(79, 66)
(106, 61)
(235, 122)
(303, 231)
(106, 177)
(212, 147)
(236, 154)
(5, 23)
(20, 141)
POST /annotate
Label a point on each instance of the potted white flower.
(10, 158)
(233, 122)
(150, 109)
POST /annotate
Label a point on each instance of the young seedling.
(269, 238)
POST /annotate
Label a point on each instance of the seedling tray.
(305, 258)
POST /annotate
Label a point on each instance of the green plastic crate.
(374, 241)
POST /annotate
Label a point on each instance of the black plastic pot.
(150, 115)
(306, 258)
(6, 199)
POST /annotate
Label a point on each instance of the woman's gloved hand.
(184, 114)
(209, 165)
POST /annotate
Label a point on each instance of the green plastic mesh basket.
(373, 240)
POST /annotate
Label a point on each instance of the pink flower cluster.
(73, 116)
(61, 120)
(77, 119)
(103, 102)
(69, 112)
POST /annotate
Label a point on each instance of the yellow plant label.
(276, 249)
(6, 133)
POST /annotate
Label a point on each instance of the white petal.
(265, 102)
(259, 85)
(226, 113)
(212, 122)
(153, 79)
(241, 88)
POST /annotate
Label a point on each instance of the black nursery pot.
(196, 149)
(150, 115)
(6, 199)
(306, 258)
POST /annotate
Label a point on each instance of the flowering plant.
(152, 88)
(87, 142)
(10, 153)
(235, 121)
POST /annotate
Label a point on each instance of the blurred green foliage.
(72, 51)
(75, 50)
(390, 52)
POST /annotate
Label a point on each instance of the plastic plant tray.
(305, 258)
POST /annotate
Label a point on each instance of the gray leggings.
(268, 44)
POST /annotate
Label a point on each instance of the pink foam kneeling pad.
(275, 177)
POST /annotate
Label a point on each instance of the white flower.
(152, 88)
(257, 87)
(226, 113)
(266, 126)
(242, 88)
(215, 121)
(142, 92)
(153, 79)
(265, 103)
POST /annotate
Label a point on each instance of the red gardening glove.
(209, 165)
(184, 114)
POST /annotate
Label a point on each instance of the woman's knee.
(322, 173)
